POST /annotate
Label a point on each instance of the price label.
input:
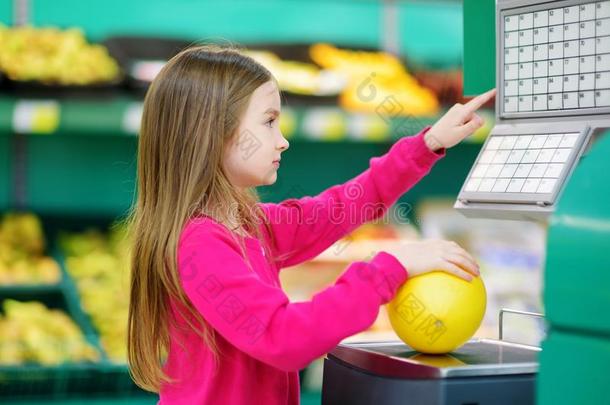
(36, 117)
(132, 118)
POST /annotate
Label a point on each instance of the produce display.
(22, 246)
(99, 264)
(54, 56)
(300, 77)
(32, 333)
(377, 82)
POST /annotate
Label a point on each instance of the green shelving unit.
(80, 175)
(82, 160)
(5, 171)
(76, 159)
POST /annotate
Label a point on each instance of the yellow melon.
(437, 312)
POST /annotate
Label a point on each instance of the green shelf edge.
(119, 116)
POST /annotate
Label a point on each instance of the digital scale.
(553, 83)
(482, 371)
(553, 100)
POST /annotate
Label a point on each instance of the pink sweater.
(264, 339)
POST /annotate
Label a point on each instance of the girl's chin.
(268, 181)
(271, 179)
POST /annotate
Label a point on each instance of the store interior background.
(79, 174)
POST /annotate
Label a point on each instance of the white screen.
(557, 59)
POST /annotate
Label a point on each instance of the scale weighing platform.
(480, 372)
(553, 99)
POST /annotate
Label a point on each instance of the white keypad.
(553, 141)
(500, 186)
(538, 170)
(480, 170)
(515, 185)
(493, 171)
(515, 156)
(557, 59)
(500, 157)
(546, 185)
(524, 141)
(530, 156)
(545, 156)
(473, 184)
(537, 142)
(554, 170)
(530, 185)
(486, 185)
(523, 170)
(508, 171)
(528, 163)
(561, 155)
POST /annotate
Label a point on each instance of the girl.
(208, 320)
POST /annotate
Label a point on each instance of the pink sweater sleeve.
(303, 228)
(259, 319)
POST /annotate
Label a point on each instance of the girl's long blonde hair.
(191, 114)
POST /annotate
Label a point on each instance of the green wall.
(479, 46)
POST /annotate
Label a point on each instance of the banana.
(30, 332)
(53, 56)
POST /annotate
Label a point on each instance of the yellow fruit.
(437, 312)
(377, 83)
(100, 266)
(50, 55)
(48, 270)
(23, 231)
(31, 332)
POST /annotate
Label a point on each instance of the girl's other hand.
(459, 122)
(435, 255)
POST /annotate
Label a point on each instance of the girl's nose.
(284, 144)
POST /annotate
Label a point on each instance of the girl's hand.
(435, 255)
(459, 122)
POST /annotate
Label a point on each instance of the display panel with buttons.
(555, 59)
(553, 82)
(521, 167)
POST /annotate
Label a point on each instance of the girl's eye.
(270, 122)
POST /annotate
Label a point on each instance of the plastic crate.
(69, 380)
(28, 380)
